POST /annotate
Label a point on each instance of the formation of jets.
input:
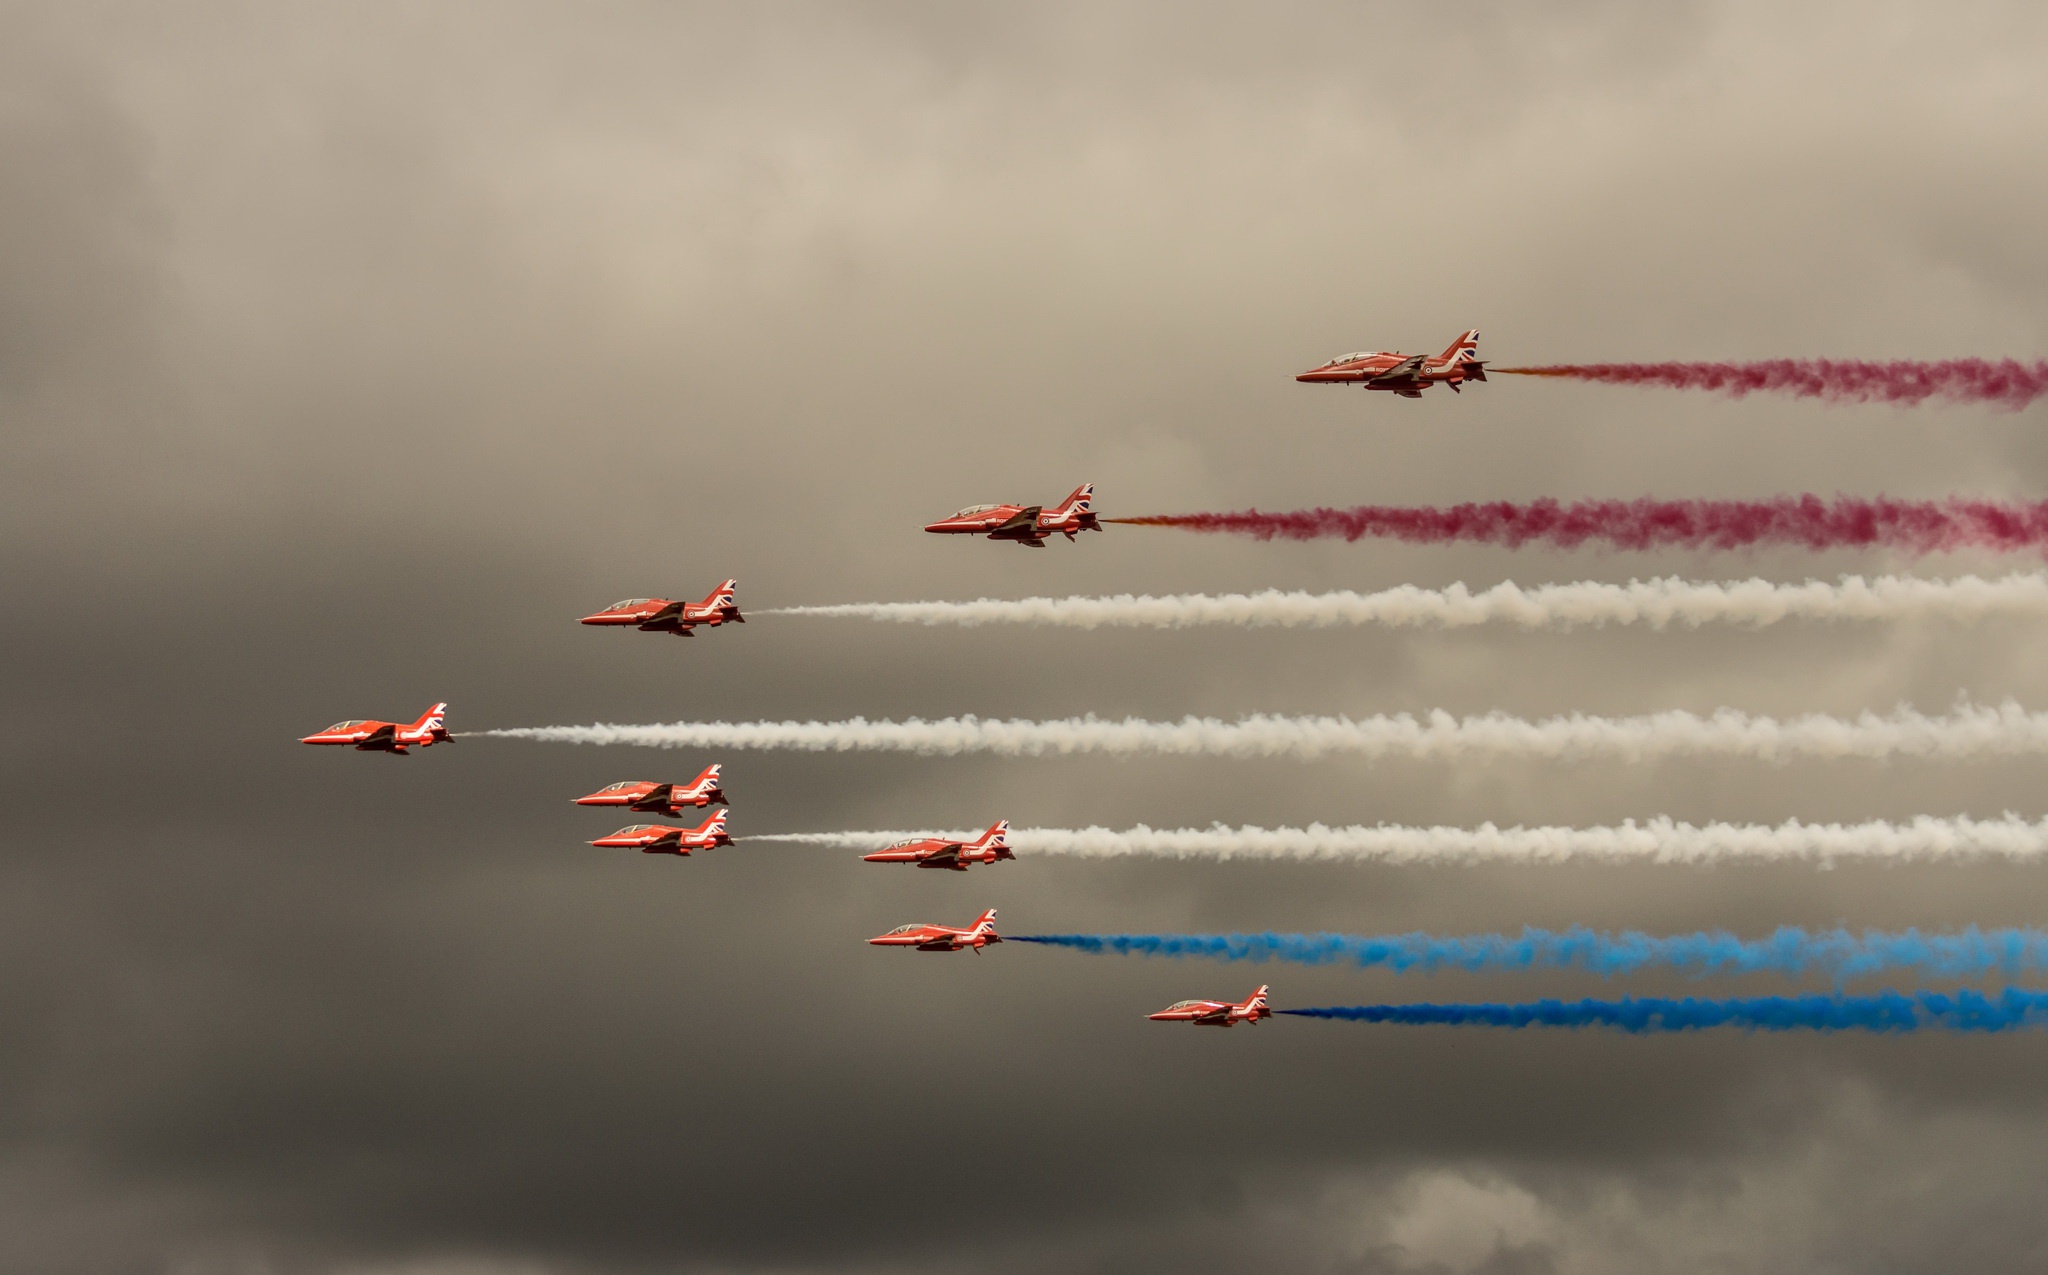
(1404, 374)
(1025, 524)
(1387, 370)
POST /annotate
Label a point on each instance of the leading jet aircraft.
(938, 852)
(649, 797)
(664, 615)
(1215, 1013)
(1404, 374)
(387, 737)
(662, 838)
(942, 938)
(1025, 524)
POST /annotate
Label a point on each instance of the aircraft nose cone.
(310, 739)
(935, 526)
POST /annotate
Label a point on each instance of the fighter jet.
(1215, 1013)
(387, 737)
(1404, 374)
(942, 938)
(1025, 524)
(938, 852)
(663, 615)
(662, 838)
(649, 797)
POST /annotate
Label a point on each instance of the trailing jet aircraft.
(387, 737)
(943, 938)
(663, 615)
(938, 852)
(1215, 1013)
(662, 838)
(653, 798)
(1025, 524)
(1404, 374)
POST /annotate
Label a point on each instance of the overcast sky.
(350, 351)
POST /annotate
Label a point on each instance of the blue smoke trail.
(1837, 953)
(1964, 1011)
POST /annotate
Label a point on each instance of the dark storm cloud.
(350, 352)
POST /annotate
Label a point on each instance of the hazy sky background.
(348, 352)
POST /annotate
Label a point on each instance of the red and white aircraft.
(1025, 524)
(662, 838)
(663, 615)
(1404, 374)
(943, 938)
(1215, 1013)
(938, 852)
(387, 737)
(653, 798)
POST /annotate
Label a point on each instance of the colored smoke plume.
(1962, 1011)
(2004, 383)
(1967, 731)
(1846, 522)
(1837, 954)
(1657, 840)
(1658, 603)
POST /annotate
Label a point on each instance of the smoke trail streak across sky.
(1652, 841)
(1846, 522)
(1962, 1011)
(2004, 383)
(1658, 604)
(1838, 954)
(1966, 731)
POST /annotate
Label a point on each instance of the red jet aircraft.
(937, 852)
(1404, 374)
(1215, 1013)
(943, 938)
(662, 838)
(1025, 524)
(661, 615)
(653, 798)
(387, 737)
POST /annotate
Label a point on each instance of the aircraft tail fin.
(433, 724)
(1462, 350)
(707, 779)
(725, 600)
(985, 923)
(1077, 502)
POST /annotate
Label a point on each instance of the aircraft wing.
(1406, 370)
(382, 735)
(1025, 517)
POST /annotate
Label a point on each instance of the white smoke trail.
(1657, 840)
(1657, 603)
(1966, 731)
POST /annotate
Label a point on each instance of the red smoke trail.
(2006, 383)
(1915, 526)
